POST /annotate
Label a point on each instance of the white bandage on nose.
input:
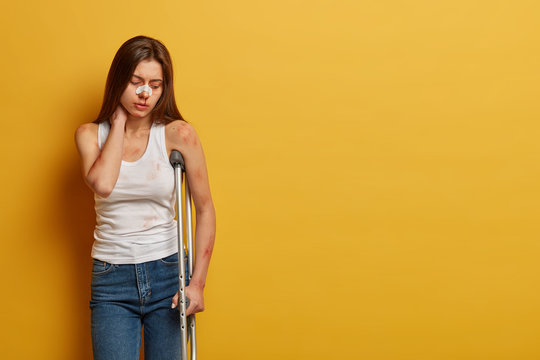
(142, 88)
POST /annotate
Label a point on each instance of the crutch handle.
(177, 159)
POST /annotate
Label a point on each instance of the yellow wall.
(374, 166)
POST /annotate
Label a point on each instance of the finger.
(191, 308)
(197, 308)
(174, 301)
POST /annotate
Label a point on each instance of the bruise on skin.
(208, 251)
(84, 127)
(133, 152)
(185, 135)
(181, 131)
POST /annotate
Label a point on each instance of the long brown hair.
(130, 54)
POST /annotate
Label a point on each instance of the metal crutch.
(177, 161)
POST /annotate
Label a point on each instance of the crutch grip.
(177, 159)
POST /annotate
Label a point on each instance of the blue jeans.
(124, 297)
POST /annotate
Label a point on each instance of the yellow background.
(374, 166)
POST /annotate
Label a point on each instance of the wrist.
(196, 283)
(118, 123)
(118, 126)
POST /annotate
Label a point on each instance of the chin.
(139, 114)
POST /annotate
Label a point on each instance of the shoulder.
(86, 133)
(179, 132)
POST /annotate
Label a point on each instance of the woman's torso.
(135, 223)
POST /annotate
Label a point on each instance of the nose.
(144, 91)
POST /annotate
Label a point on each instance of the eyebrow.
(140, 77)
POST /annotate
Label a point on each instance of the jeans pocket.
(170, 260)
(101, 267)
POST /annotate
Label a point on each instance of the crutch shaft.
(187, 325)
(190, 242)
(181, 263)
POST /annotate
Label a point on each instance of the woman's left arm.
(181, 136)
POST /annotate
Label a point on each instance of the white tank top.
(135, 223)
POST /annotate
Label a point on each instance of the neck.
(135, 124)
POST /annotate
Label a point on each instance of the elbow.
(103, 193)
(103, 190)
(206, 210)
(208, 218)
(100, 188)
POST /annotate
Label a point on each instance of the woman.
(124, 157)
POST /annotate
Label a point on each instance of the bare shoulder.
(86, 134)
(181, 134)
(86, 129)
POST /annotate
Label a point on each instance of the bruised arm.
(100, 168)
(181, 136)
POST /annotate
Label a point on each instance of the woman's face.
(147, 72)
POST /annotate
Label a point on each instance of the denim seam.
(106, 271)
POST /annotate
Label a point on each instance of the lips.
(141, 106)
